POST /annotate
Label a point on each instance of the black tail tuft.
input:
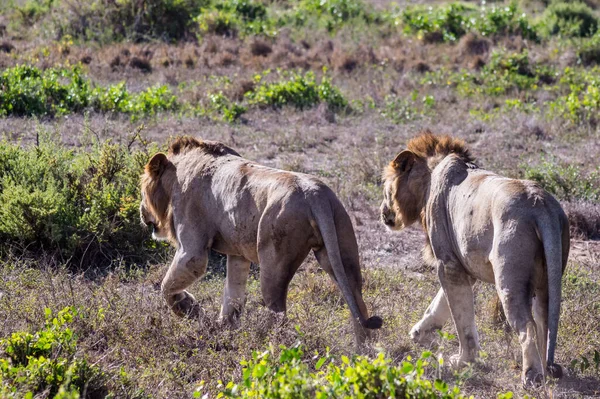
(555, 370)
(373, 323)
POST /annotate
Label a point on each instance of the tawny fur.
(204, 196)
(481, 226)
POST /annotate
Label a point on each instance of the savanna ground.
(88, 90)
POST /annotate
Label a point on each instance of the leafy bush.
(588, 50)
(505, 21)
(46, 362)
(451, 22)
(107, 20)
(299, 91)
(582, 102)
(331, 14)
(27, 91)
(32, 11)
(565, 181)
(80, 206)
(570, 19)
(230, 110)
(289, 376)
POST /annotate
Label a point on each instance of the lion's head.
(159, 177)
(155, 208)
(406, 179)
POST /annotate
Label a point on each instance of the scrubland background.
(90, 89)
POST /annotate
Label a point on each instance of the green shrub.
(582, 102)
(505, 21)
(331, 14)
(231, 17)
(588, 50)
(565, 181)
(449, 23)
(289, 376)
(45, 362)
(300, 91)
(80, 206)
(570, 19)
(107, 20)
(229, 110)
(26, 91)
(31, 11)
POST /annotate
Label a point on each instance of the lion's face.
(150, 221)
(389, 217)
(155, 205)
(406, 182)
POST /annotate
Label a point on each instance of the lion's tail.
(326, 223)
(555, 239)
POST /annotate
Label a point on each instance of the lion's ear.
(404, 161)
(157, 164)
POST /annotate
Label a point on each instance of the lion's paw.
(423, 337)
(532, 378)
(458, 361)
(187, 307)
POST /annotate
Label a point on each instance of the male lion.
(204, 196)
(482, 226)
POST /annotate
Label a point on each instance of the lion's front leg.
(234, 293)
(457, 287)
(186, 268)
(436, 315)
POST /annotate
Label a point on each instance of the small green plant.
(26, 91)
(106, 20)
(235, 16)
(582, 101)
(288, 375)
(588, 50)
(31, 11)
(46, 361)
(449, 23)
(567, 182)
(583, 363)
(332, 14)
(230, 110)
(570, 19)
(300, 91)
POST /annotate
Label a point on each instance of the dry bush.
(472, 44)
(260, 48)
(584, 219)
(6, 47)
(143, 64)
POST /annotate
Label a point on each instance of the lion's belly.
(240, 246)
(478, 265)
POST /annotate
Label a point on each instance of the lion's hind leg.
(515, 292)
(184, 270)
(234, 292)
(457, 287)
